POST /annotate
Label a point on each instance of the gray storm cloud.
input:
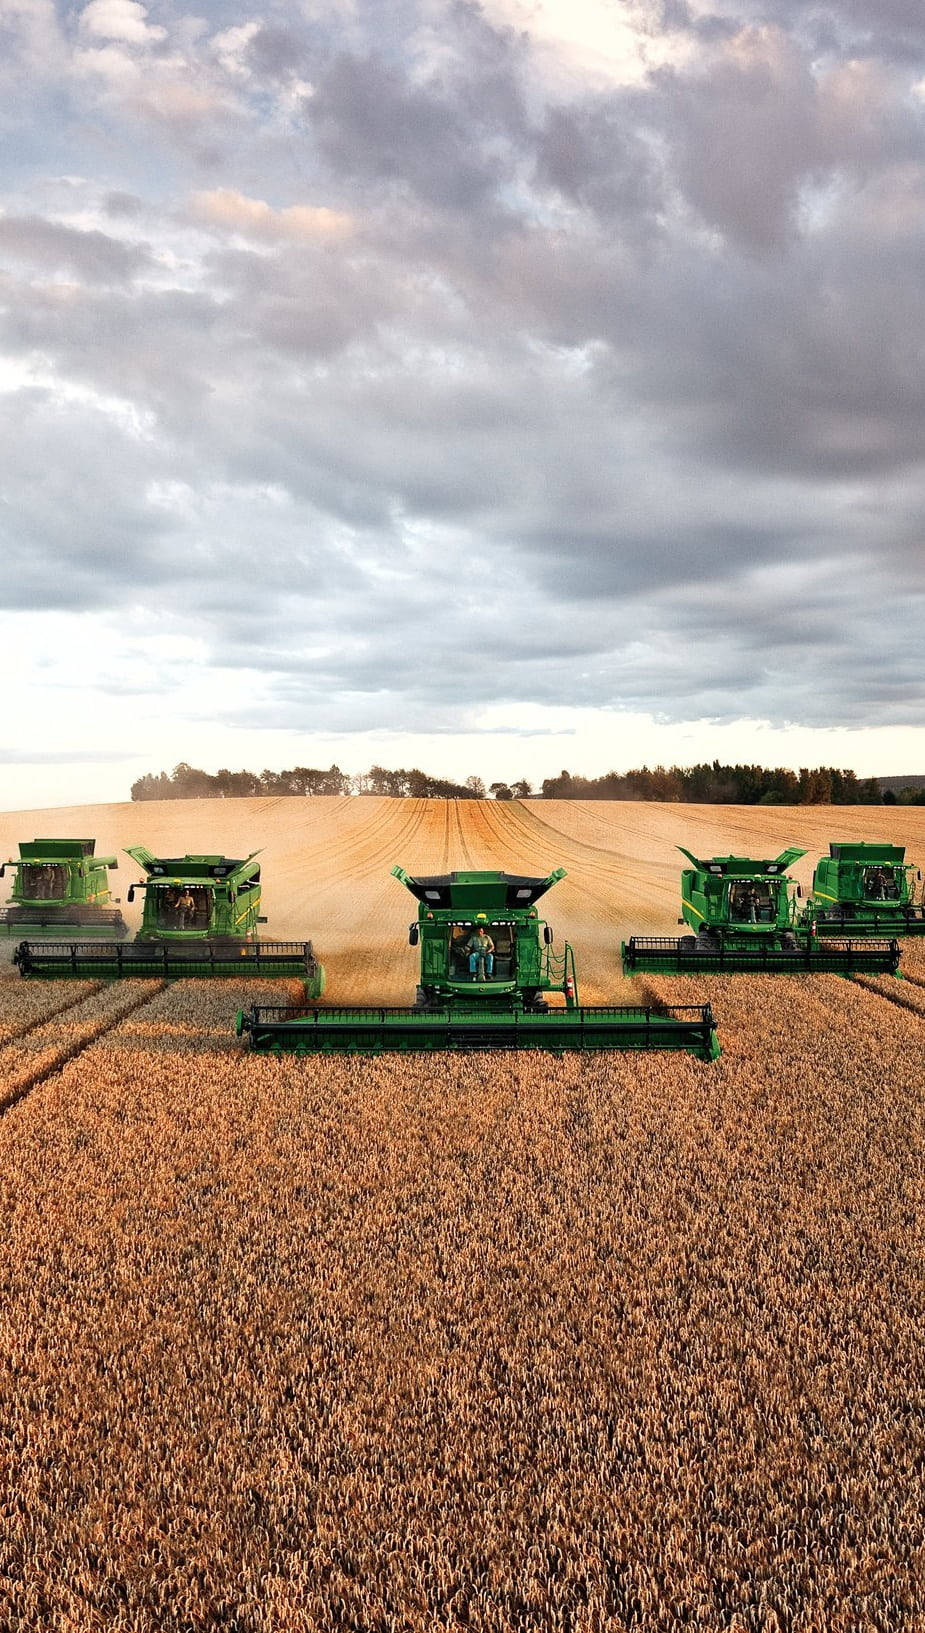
(400, 374)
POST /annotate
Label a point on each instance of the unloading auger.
(864, 889)
(200, 919)
(745, 918)
(60, 883)
(486, 966)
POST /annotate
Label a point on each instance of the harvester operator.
(882, 886)
(748, 904)
(481, 950)
(186, 908)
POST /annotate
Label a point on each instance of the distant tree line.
(188, 782)
(707, 784)
(716, 784)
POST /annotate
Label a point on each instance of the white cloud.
(112, 65)
(120, 20)
(579, 44)
(253, 217)
(230, 46)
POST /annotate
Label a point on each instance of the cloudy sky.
(492, 387)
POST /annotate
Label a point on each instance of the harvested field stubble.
(487, 1343)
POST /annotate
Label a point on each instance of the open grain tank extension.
(745, 918)
(59, 883)
(863, 889)
(487, 965)
(200, 918)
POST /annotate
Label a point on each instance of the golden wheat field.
(326, 863)
(464, 1342)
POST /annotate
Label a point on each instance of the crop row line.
(30, 1060)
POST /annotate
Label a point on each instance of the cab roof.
(477, 891)
(193, 868)
(858, 850)
(54, 850)
(745, 867)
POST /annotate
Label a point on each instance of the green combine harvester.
(58, 883)
(745, 918)
(200, 918)
(486, 967)
(863, 889)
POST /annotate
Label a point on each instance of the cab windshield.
(181, 907)
(881, 884)
(751, 901)
(491, 963)
(43, 881)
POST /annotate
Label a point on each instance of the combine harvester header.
(58, 883)
(863, 889)
(486, 967)
(744, 915)
(200, 919)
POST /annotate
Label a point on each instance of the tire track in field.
(635, 879)
(342, 855)
(560, 835)
(350, 852)
(68, 999)
(445, 863)
(329, 892)
(361, 935)
(501, 829)
(591, 859)
(905, 994)
(628, 897)
(40, 1057)
(459, 833)
(376, 839)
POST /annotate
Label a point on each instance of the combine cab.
(486, 967)
(862, 889)
(200, 918)
(58, 883)
(744, 916)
